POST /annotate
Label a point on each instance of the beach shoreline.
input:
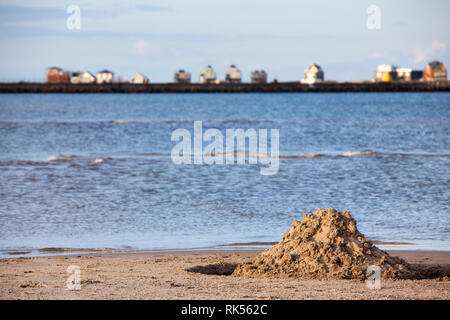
(251, 247)
(184, 274)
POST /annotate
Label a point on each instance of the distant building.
(313, 73)
(404, 74)
(207, 75)
(105, 76)
(258, 76)
(417, 75)
(139, 78)
(407, 74)
(82, 77)
(233, 75)
(57, 75)
(385, 73)
(182, 77)
(435, 71)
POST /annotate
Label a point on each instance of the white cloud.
(143, 48)
(432, 52)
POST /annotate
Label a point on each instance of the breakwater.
(24, 87)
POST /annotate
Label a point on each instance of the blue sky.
(159, 37)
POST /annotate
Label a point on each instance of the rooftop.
(105, 71)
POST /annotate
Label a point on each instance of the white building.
(233, 75)
(207, 75)
(139, 79)
(182, 77)
(404, 74)
(258, 76)
(82, 77)
(313, 73)
(105, 76)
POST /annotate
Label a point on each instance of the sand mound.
(325, 245)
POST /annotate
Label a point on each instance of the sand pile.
(325, 245)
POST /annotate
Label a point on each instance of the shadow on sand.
(221, 269)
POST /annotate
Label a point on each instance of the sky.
(283, 37)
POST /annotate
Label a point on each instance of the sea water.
(95, 170)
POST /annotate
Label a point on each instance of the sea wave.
(180, 121)
(240, 154)
(101, 158)
(62, 158)
(358, 153)
(133, 121)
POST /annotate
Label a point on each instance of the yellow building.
(385, 73)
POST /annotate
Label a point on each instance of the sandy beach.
(184, 275)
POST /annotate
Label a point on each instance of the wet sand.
(164, 275)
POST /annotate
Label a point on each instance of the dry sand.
(325, 244)
(165, 276)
